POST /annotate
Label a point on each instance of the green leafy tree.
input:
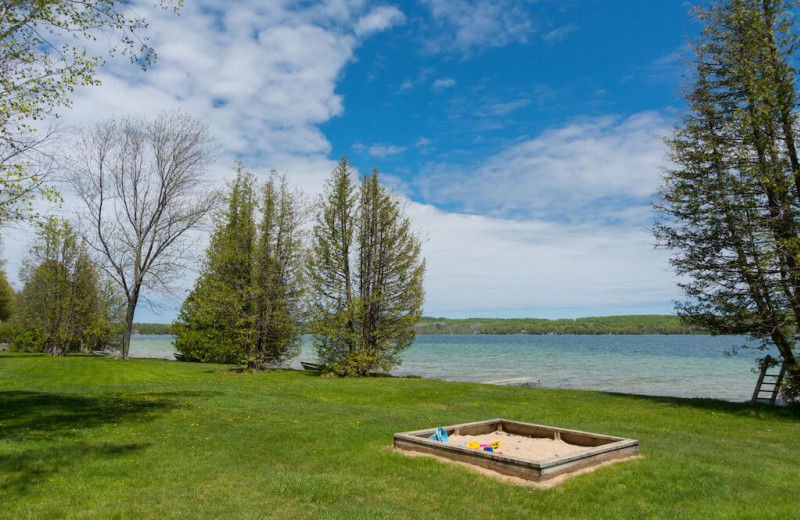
(278, 272)
(215, 321)
(330, 276)
(62, 306)
(731, 203)
(366, 276)
(6, 296)
(44, 56)
(246, 304)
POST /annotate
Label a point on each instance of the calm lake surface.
(681, 366)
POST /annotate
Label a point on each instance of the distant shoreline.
(627, 325)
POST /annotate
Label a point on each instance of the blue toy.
(440, 435)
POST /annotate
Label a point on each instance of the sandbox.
(529, 451)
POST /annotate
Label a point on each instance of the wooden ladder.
(772, 382)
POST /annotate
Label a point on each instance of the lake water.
(681, 366)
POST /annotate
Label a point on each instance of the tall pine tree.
(731, 204)
(278, 272)
(246, 304)
(329, 268)
(366, 276)
(215, 322)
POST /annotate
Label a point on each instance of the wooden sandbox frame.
(599, 448)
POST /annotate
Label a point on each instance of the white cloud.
(569, 233)
(379, 19)
(585, 170)
(262, 74)
(468, 26)
(478, 265)
(406, 85)
(383, 150)
(560, 33)
(443, 83)
(501, 109)
(409, 84)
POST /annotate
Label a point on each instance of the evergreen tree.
(245, 306)
(329, 268)
(215, 321)
(6, 296)
(278, 286)
(732, 202)
(366, 276)
(62, 307)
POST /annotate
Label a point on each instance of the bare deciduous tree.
(144, 188)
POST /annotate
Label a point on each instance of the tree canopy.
(64, 304)
(6, 296)
(731, 203)
(365, 272)
(246, 304)
(48, 48)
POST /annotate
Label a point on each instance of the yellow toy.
(476, 446)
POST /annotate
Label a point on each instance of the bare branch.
(144, 188)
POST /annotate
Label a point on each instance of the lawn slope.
(86, 437)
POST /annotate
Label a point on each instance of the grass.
(86, 437)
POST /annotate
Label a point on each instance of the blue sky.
(525, 135)
(468, 100)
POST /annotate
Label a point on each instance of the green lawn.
(89, 437)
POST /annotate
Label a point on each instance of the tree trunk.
(128, 328)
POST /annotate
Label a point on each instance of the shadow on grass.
(43, 435)
(29, 415)
(241, 369)
(745, 409)
(10, 354)
(22, 471)
(13, 355)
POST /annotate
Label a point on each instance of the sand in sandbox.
(531, 448)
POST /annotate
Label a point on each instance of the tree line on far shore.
(624, 324)
(632, 324)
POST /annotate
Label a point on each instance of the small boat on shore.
(519, 381)
(310, 366)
